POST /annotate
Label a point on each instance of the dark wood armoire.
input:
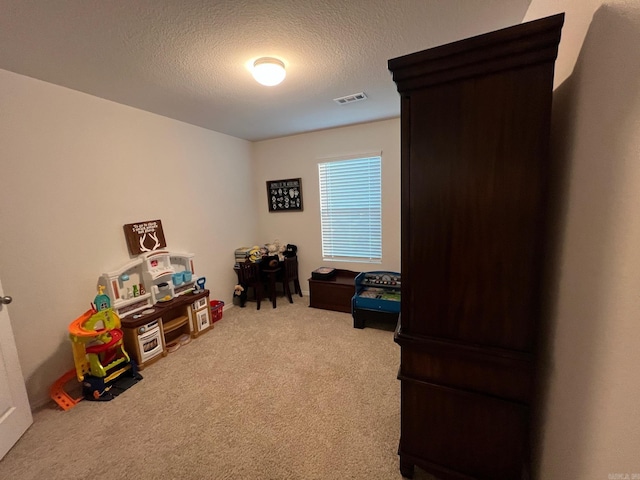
(475, 232)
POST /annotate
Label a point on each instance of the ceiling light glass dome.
(269, 71)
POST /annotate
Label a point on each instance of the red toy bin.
(216, 310)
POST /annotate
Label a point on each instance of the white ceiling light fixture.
(269, 71)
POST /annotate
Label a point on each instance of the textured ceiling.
(188, 59)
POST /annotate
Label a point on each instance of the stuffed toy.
(270, 262)
(272, 249)
(291, 251)
(281, 252)
(255, 255)
(272, 257)
(240, 292)
(276, 249)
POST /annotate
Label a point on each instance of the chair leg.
(296, 283)
(287, 291)
(258, 295)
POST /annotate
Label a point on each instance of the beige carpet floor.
(286, 393)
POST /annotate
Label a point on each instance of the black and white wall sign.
(285, 195)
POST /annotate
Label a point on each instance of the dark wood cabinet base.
(334, 293)
(407, 467)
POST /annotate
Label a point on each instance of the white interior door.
(15, 412)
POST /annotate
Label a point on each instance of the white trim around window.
(351, 209)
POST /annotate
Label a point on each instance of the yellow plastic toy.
(98, 353)
(97, 345)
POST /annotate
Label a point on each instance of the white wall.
(578, 15)
(298, 157)
(73, 170)
(590, 423)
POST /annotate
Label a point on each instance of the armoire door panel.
(477, 435)
(481, 208)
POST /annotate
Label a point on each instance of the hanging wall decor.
(285, 195)
(144, 236)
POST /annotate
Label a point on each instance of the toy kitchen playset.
(160, 301)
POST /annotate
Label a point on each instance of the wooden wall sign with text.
(144, 236)
(285, 195)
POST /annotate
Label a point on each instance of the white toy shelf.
(153, 277)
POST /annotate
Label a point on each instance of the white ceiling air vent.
(356, 97)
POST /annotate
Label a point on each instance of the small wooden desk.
(335, 293)
(271, 275)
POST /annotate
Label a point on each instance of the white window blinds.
(351, 209)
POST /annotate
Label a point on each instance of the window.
(351, 209)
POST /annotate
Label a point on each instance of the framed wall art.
(144, 236)
(285, 195)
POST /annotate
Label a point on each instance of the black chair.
(249, 276)
(290, 274)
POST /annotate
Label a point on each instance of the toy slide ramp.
(60, 396)
(93, 388)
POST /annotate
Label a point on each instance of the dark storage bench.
(334, 293)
